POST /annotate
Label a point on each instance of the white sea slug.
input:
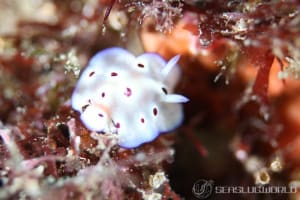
(129, 96)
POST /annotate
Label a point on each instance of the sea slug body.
(130, 96)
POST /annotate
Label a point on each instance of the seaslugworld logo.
(203, 189)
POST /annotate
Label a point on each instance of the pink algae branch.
(108, 10)
(18, 162)
(261, 84)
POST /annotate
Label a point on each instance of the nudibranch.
(129, 96)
